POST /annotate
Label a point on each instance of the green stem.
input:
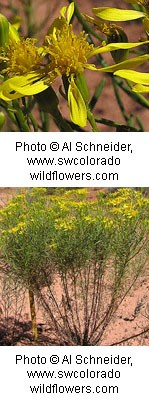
(28, 9)
(33, 121)
(45, 122)
(97, 94)
(114, 124)
(92, 120)
(131, 121)
(140, 124)
(60, 122)
(119, 100)
(22, 124)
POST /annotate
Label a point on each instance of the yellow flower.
(108, 222)
(90, 219)
(115, 33)
(64, 54)
(68, 52)
(65, 225)
(22, 57)
(118, 14)
(53, 245)
(19, 228)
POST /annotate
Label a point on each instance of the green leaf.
(2, 119)
(4, 30)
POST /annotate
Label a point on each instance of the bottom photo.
(74, 266)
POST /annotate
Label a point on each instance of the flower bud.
(118, 36)
(2, 119)
(13, 34)
(4, 30)
(146, 24)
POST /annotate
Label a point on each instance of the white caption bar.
(74, 373)
(74, 160)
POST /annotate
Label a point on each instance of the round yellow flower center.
(68, 52)
(22, 57)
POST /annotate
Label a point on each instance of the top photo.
(74, 66)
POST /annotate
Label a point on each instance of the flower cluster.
(28, 69)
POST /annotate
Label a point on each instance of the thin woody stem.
(33, 314)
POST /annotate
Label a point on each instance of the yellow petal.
(68, 11)
(141, 88)
(91, 67)
(82, 86)
(29, 84)
(78, 112)
(116, 14)
(131, 63)
(6, 93)
(63, 11)
(134, 76)
(13, 34)
(115, 46)
(19, 86)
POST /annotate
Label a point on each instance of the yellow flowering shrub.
(85, 244)
(33, 221)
